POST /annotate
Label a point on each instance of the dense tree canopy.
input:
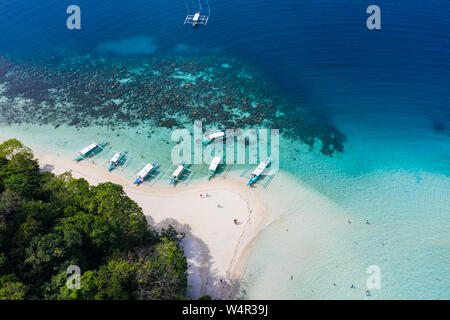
(49, 222)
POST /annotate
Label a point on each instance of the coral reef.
(164, 92)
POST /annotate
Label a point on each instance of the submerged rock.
(169, 123)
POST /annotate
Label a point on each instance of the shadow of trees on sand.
(203, 278)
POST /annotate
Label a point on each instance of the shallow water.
(386, 91)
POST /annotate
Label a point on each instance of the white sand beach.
(214, 245)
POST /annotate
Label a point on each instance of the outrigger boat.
(216, 135)
(89, 150)
(257, 172)
(196, 19)
(116, 160)
(177, 173)
(145, 172)
(213, 166)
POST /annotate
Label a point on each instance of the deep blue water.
(388, 90)
(319, 52)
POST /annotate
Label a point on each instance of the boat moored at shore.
(116, 160)
(89, 150)
(145, 172)
(258, 171)
(177, 173)
(213, 166)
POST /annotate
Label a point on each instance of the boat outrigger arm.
(145, 172)
(89, 149)
(257, 172)
(213, 166)
(115, 160)
(213, 136)
(177, 173)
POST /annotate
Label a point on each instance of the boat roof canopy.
(144, 172)
(216, 135)
(214, 163)
(116, 157)
(260, 168)
(88, 148)
(177, 172)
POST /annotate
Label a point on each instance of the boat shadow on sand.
(213, 284)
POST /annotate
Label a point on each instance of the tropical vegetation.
(51, 222)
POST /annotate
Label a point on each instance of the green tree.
(162, 272)
(49, 222)
(21, 173)
(11, 288)
(11, 147)
(113, 281)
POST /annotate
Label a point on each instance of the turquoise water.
(366, 118)
(404, 196)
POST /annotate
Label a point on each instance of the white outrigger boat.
(196, 19)
(257, 172)
(145, 172)
(177, 173)
(216, 135)
(89, 150)
(213, 166)
(116, 160)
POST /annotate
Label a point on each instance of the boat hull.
(79, 158)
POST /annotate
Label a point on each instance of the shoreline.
(228, 261)
(217, 250)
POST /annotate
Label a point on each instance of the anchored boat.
(145, 172)
(116, 160)
(257, 172)
(214, 136)
(89, 150)
(213, 166)
(196, 19)
(177, 173)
